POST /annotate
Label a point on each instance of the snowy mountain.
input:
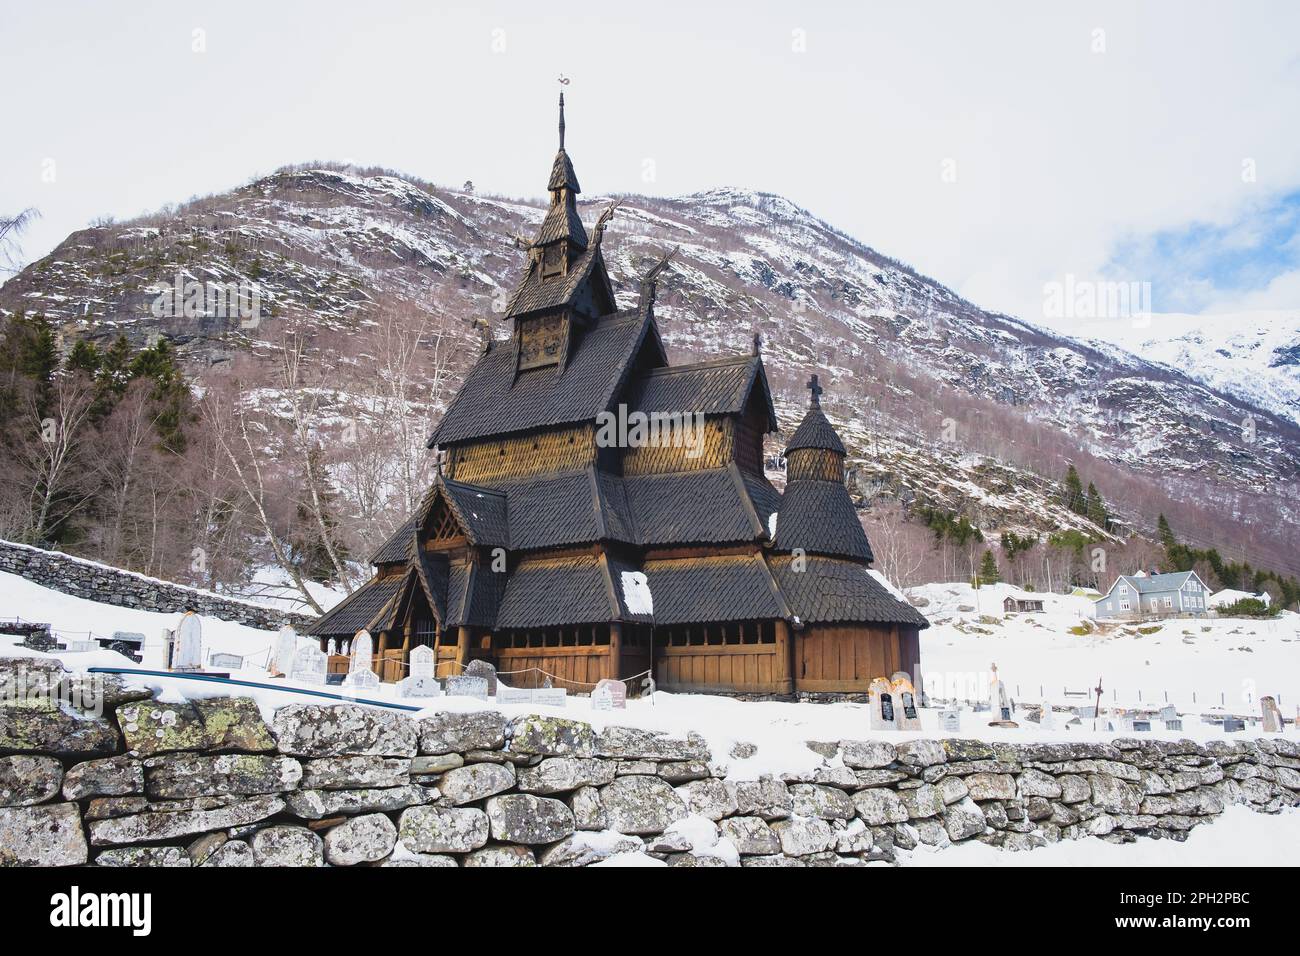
(941, 401)
(1252, 356)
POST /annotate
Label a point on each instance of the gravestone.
(1168, 712)
(905, 699)
(1232, 725)
(226, 662)
(1086, 713)
(545, 696)
(361, 675)
(999, 704)
(1142, 726)
(1272, 715)
(79, 646)
(189, 644)
(462, 686)
(950, 720)
(1047, 717)
(485, 670)
(609, 695)
(286, 646)
(309, 666)
(881, 702)
(332, 647)
(1174, 723)
(421, 682)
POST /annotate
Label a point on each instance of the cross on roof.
(815, 389)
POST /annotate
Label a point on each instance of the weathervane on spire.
(816, 390)
(564, 81)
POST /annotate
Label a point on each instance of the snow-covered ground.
(1196, 664)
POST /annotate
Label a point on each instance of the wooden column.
(377, 659)
(616, 650)
(785, 658)
(462, 646)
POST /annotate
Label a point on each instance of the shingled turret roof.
(815, 431)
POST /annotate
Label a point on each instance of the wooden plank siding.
(751, 668)
(846, 658)
(576, 666)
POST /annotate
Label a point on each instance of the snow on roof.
(1231, 596)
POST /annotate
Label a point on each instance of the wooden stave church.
(526, 547)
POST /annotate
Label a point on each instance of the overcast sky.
(995, 146)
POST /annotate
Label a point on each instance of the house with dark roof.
(1142, 595)
(600, 513)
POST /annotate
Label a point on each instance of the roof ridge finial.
(815, 391)
(564, 81)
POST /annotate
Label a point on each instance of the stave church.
(600, 513)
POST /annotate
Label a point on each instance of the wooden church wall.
(846, 658)
(673, 456)
(490, 462)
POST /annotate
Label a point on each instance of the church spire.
(561, 119)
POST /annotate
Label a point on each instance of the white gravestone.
(421, 682)
(1047, 718)
(476, 687)
(1272, 715)
(609, 695)
(227, 662)
(881, 702)
(286, 647)
(905, 700)
(950, 720)
(546, 696)
(309, 666)
(189, 644)
(360, 674)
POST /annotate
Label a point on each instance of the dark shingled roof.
(575, 507)
(473, 595)
(707, 506)
(815, 431)
(480, 511)
(718, 589)
(719, 387)
(493, 402)
(819, 517)
(358, 609)
(551, 592)
(830, 591)
(399, 547)
(535, 294)
(562, 222)
(433, 573)
(562, 173)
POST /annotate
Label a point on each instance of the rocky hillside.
(941, 400)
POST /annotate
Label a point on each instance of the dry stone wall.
(210, 783)
(108, 585)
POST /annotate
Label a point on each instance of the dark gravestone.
(485, 670)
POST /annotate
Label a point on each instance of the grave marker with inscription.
(609, 695)
(421, 682)
(881, 702)
(189, 644)
(361, 675)
(485, 670)
(462, 686)
(905, 697)
(950, 720)
(309, 666)
(286, 647)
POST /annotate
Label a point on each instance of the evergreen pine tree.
(1072, 492)
(988, 573)
(1096, 507)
